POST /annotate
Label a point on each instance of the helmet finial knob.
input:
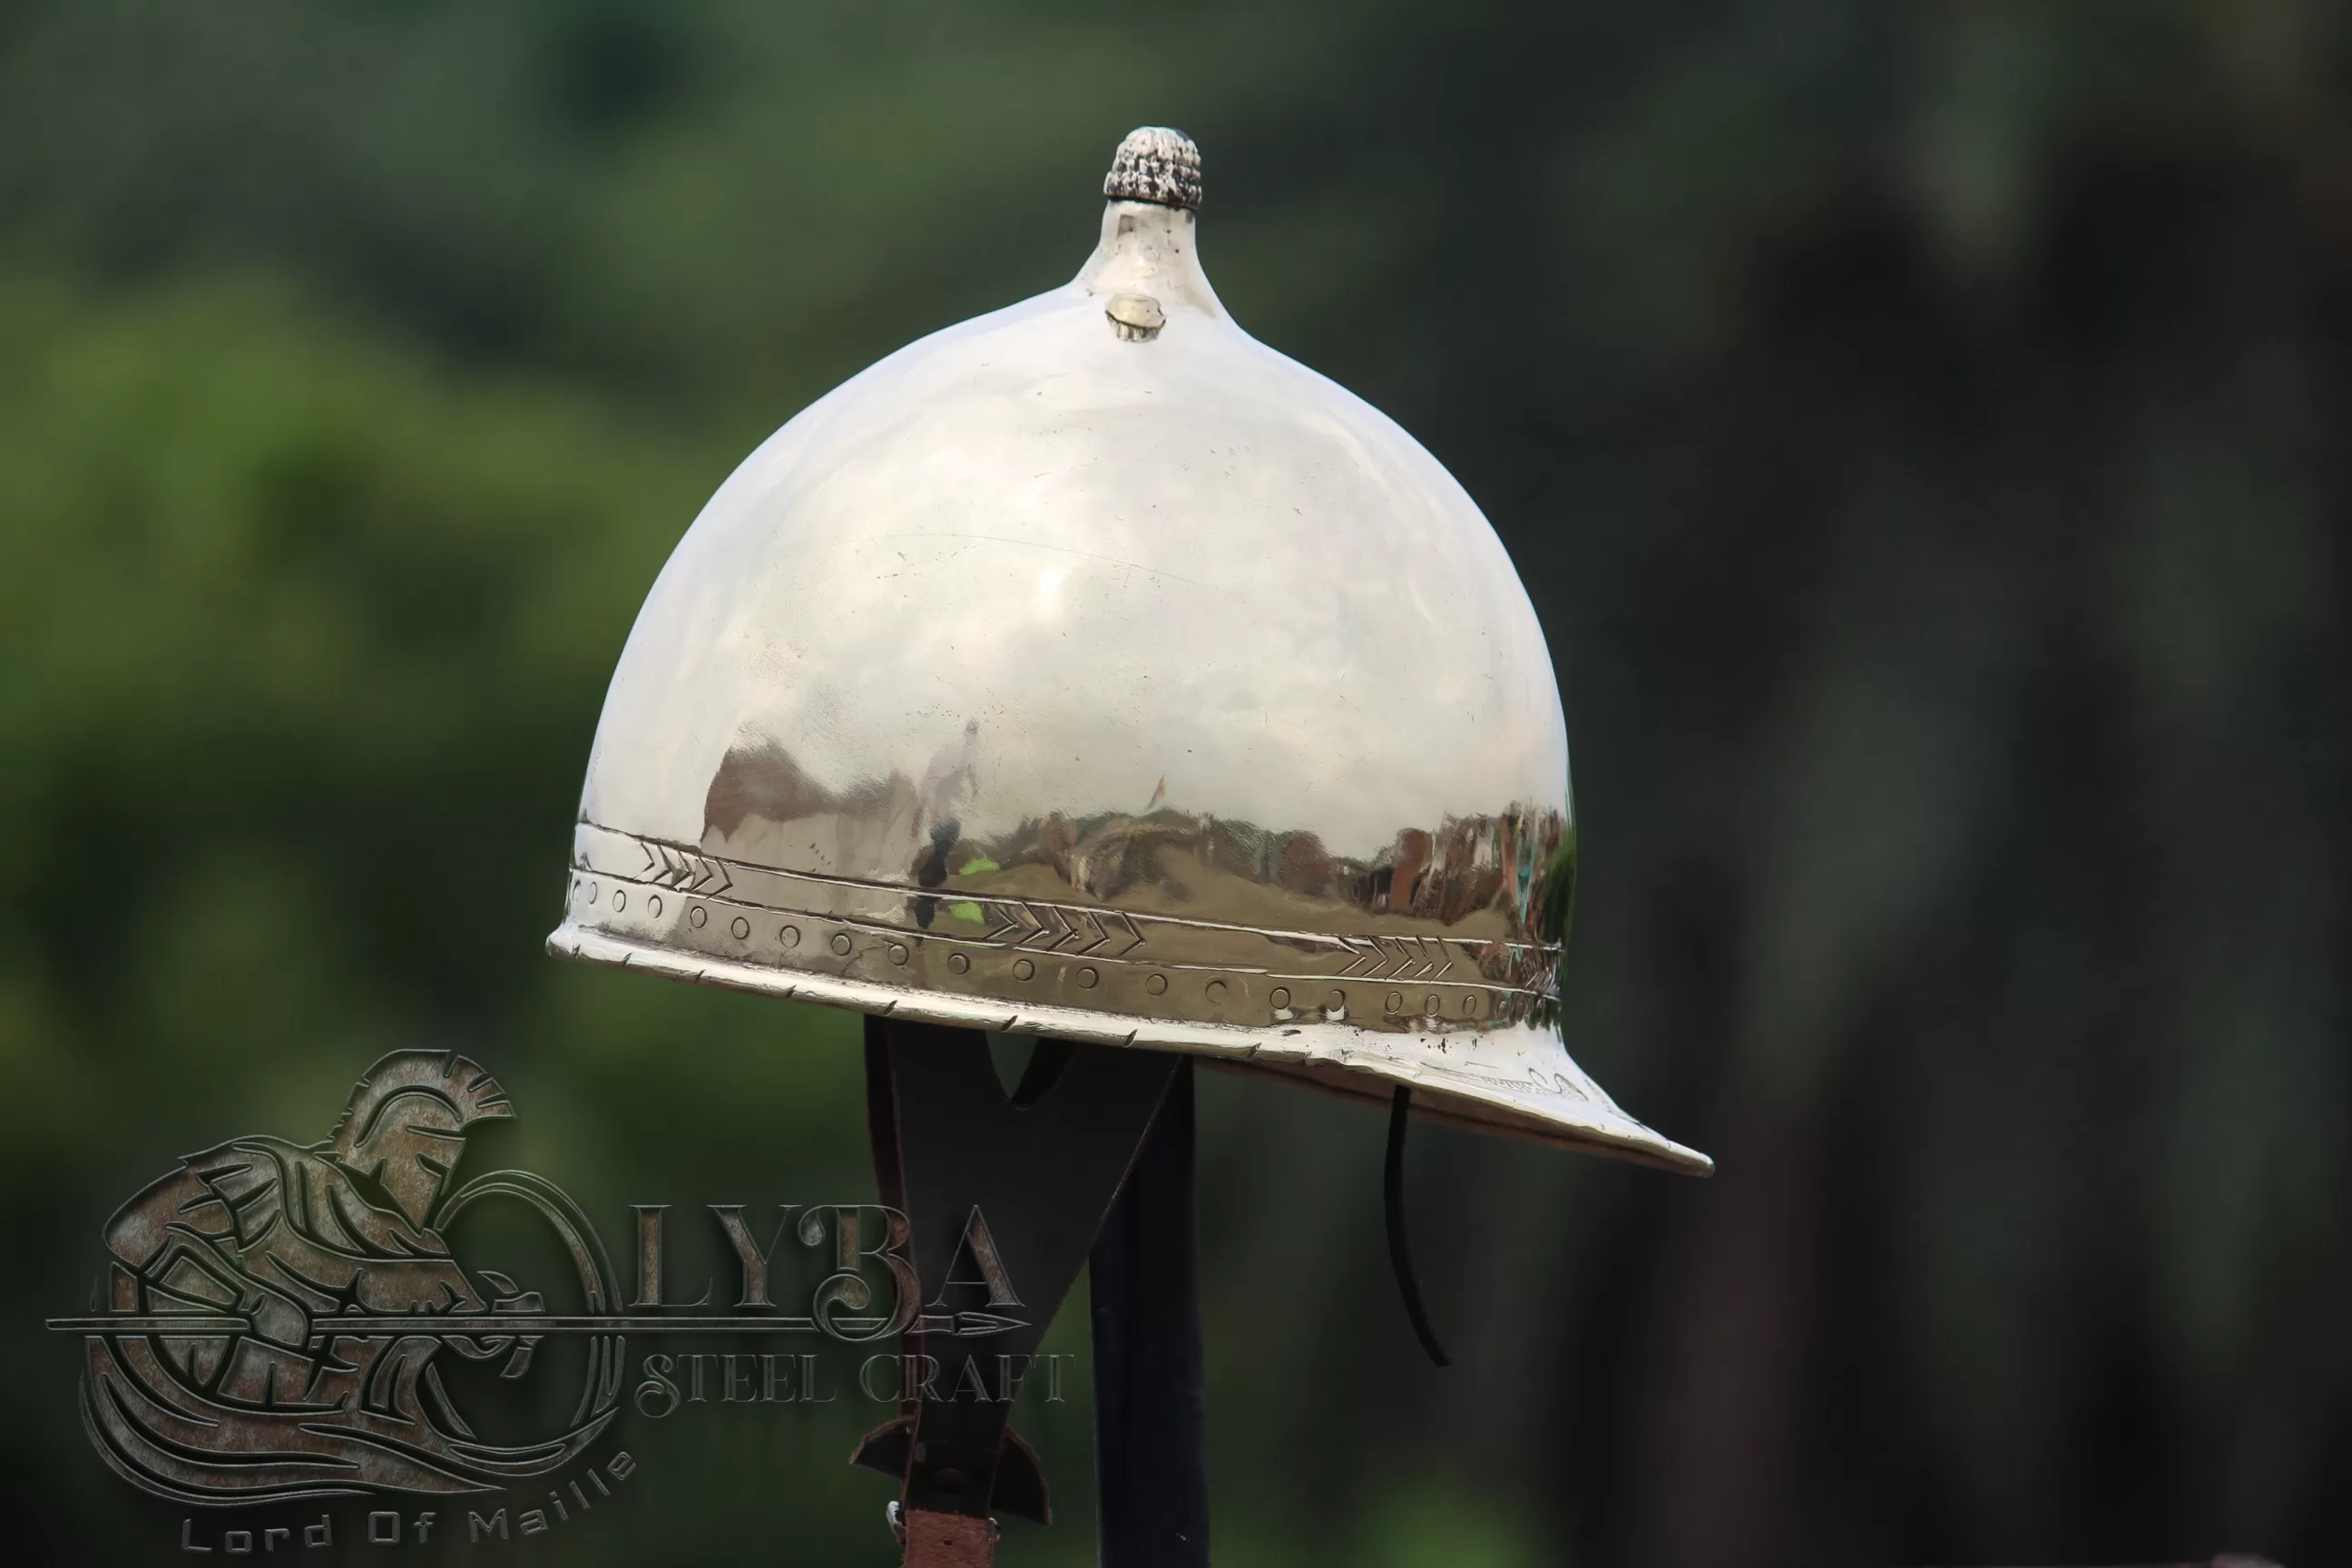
(1155, 164)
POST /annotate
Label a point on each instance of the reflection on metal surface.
(1135, 685)
(1149, 907)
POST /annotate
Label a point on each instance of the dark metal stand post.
(1150, 1439)
(1022, 1187)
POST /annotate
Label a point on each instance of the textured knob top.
(1155, 164)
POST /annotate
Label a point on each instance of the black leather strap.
(1399, 1244)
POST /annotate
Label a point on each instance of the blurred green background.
(1923, 430)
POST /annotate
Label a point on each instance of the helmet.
(1089, 670)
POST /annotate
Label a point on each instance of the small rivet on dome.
(840, 944)
(897, 953)
(960, 963)
(620, 901)
(699, 916)
(740, 928)
(1470, 1006)
(1280, 997)
(1135, 317)
(592, 892)
(1396, 1001)
(1432, 1005)
(1336, 1004)
(1216, 990)
(1157, 986)
(1086, 977)
(653, 905)
(1023, 969)
(789, 936)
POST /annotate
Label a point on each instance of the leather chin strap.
(1040, 1169)
(1399, 1244)
(948, 1539)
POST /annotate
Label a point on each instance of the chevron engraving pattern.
(1048, 928)
(1395, 958)
(669, 867)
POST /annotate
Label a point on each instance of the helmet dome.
(1091, 670)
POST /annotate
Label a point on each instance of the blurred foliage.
(1921, 429)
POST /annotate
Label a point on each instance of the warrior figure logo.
(278, 1312)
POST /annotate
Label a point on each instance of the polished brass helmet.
(1090, 670)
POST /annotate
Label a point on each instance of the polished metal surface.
(1091, 668)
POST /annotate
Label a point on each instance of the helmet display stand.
(1152, 1462)
(1021, 1186)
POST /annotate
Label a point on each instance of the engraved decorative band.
(979, 943)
